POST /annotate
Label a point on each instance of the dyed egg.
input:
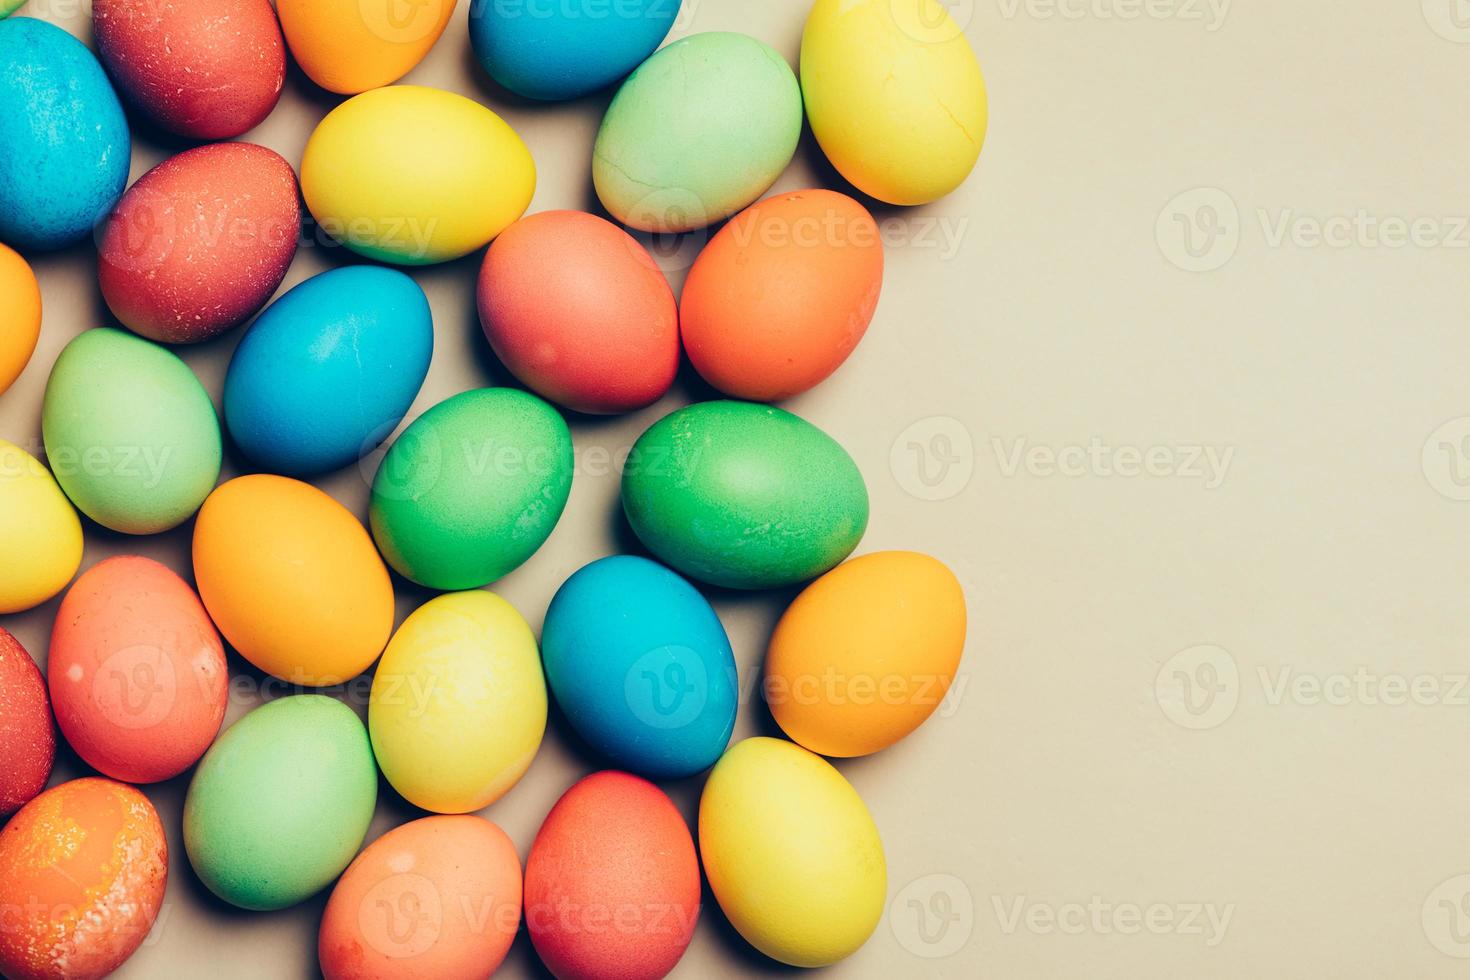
(458, 704)
(866, 653)
(130, 433)
(641, 667)
(40, 535)
(791, 853)
(579, 312)
(701, 129)
(53, 191)
(894, 95)
(744, 496)
(204, 69)
(436, 897)
(782, 294)
(82, 874)
(472, 488)
(27, 743)
(350, 46)
(137, 671)
(565, 51)
(200, 242)
(612, 882)
(20, 320)
(280, 804)
(292, 580)
(453, 176)
(329, 369)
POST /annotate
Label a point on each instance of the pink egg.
(27, 744)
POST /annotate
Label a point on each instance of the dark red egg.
(27, 741)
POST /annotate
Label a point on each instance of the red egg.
(137, 671)
(612, 882)
(205, 69)
(27, 744)
(200, 242)
(578, 311)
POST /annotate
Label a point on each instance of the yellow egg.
(351, 46)
(866, 653)
(458, 705)
(415, 175)
(791, 853)
(40, 534)
(894, 95)
(20, 315)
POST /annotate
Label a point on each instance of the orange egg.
(82, 874)
(438, 897)
(20, 316)
(866, 653)
(781, 296)
(292, 580)
(350, 46)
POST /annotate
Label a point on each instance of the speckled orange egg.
(82, 874)
(20, 317)
(27, 743)
(782, 295)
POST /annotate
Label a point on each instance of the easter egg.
(27, 743)
(350, 46)
(894, 95)
(701, 129)
(641, 667)
(200, 242)
(65, 138)
(782, 294)
(612, 882)
(564, 51)
(579, 312)
(130, 433)
(328, 370)
(743, 496)
(82, 874)
(203, 69)
(20, 320)
(292, 580)
(40, 535)
(436, 897)
(458, 703)
(280, 804)
(791, 853)
(453, 176)
(137, 671)
(472, 488)
(866, 653)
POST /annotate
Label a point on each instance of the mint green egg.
(700, 131)
(281, 802)
(744, 496)
(130, 433)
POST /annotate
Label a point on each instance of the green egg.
(744, 496)
(281, 802)
(130, 434)
(472, 488)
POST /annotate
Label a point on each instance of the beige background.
(1176, 384)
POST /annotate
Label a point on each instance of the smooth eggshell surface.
(349, 46)
(612, 882)
(579, 312)
(291, 579)
(20, 319)
(458, 703)
(82, 873)
(27, 743)
(40, 534)
(203, 69)
(436, 897)
(136, 670)
(200, 242)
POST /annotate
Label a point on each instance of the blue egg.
(328, 370)
(553, 50)
(64, 146)
(641, 667)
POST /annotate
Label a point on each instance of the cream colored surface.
(1294, 530)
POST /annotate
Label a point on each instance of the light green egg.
(130, 433)
(281, 802)
(701, 130)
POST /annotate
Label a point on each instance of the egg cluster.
(734, 494)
